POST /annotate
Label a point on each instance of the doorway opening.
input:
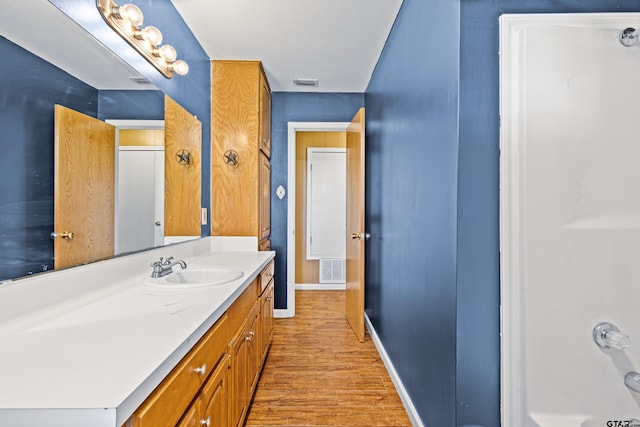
(314, 135)
(139, 188)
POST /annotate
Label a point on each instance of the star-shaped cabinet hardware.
(183, 157)
(231, 157)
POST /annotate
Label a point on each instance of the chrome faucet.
(164, 266)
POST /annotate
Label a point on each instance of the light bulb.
(168, 52)
(152, 35)
(131, 13)
(180, 67)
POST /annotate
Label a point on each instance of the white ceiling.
(337, 42)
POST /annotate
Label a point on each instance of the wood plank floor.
(318, 374)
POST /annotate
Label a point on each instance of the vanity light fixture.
(126, 20)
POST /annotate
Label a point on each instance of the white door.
(140, 201)
(326, 203)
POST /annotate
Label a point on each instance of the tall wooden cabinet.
(240, 151)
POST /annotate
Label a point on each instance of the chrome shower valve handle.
(607, 335)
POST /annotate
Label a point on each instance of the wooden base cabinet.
(214, 383)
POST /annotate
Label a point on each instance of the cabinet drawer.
(265, 277)
(168, 402)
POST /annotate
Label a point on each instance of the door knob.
(360, 236)
(68, 235)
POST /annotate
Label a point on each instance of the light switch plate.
(203, 216)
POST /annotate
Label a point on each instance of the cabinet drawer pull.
(269, 298)
(206, 422)
(202, 370)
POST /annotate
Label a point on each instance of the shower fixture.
(607, 335)
(629, 36)
(632, 381)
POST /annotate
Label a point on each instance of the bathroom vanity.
(102, 345)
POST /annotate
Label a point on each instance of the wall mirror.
(50, 61)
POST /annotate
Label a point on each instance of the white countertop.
(92, 356)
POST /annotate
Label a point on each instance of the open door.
(355, 225)
(183, 146)
(84, 170)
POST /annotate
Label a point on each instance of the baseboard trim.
(402, 392)
(321, 286)
(281, 313)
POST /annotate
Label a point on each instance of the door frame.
(294, 127)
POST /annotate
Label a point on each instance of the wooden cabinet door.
(265, 118)
(182, 167)
(211, 408)
(244, 361)
(241, 375)
(191, 418)
(266, 321)
(254, 352)
(215, 397)
(265, 198)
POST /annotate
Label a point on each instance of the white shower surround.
(570, 217)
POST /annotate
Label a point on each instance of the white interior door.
(140, 200)
(326, 202)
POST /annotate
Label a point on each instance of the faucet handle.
(167, 261)
(607, 335)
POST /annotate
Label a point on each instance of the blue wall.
(296, 107)
(411, 171)
(192, 91)
(29, 90)
(130, 105)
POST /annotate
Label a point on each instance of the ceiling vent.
(140, 80)
(305, 82)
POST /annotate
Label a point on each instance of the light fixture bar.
(129, 30)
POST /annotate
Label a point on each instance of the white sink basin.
(195, 278)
